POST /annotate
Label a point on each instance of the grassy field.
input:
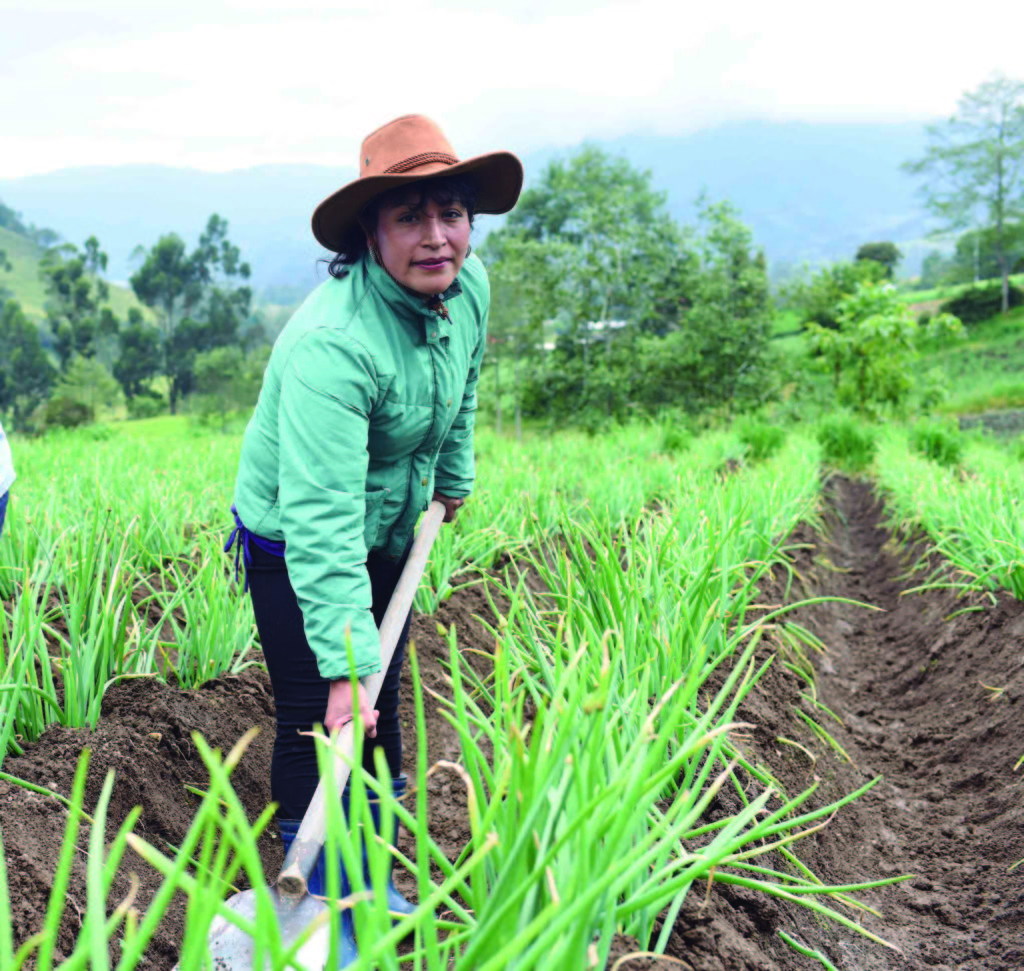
(984, 372)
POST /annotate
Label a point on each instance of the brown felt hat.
(408, 149)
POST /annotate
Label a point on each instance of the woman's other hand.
(451, 506)
(340, 707)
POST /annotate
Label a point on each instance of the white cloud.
(231, 83)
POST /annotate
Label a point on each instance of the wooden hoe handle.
(309, 840)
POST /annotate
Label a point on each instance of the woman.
(366, 412)
(6, 476)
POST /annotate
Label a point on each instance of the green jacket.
(368, 405)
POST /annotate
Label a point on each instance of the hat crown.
(403, 144)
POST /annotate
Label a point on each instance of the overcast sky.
(222, 84)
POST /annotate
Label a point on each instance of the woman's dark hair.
(442, 191)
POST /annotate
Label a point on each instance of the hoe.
(231, 949)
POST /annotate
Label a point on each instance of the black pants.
(300, 693)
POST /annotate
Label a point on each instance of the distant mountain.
(268, 209)
(810, 192)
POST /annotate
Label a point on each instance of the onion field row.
(971, 511)
(634, 570)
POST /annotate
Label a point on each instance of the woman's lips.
(432, 264)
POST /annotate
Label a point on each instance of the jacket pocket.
(371, 521)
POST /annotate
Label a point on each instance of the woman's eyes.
(410, 217)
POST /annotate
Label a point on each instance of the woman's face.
(423, 246)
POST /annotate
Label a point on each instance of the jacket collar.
(402, 299)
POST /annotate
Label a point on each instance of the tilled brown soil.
(934, 706)
(908, 685)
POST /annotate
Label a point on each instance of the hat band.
(417, 160)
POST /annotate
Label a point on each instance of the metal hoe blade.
(231, 949)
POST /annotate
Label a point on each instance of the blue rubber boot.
(317, 885)
(397, 904)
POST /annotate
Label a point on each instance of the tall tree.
(615, 238)
(196, 296)
(26, 374)
(976, 256)
(76, 296)
(526, 276)
(619, 229)
(974, 166)
(725, 329)
(139, 358)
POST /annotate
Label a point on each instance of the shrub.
(846, 444)
(933, 388)
(870, 356)
(980, 303)
(66, 411)
(84, 390)
(147, 404)
(761, 440)
(938, 441)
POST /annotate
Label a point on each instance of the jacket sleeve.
(456, 466)
(323, 424)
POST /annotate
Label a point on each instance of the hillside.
(810, 191)
(24, 284)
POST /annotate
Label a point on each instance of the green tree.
(974, 166)
(76, 296)
(709, 349)
(716, 352)
(887, 254)
(526, 275)
(816, 297)
(936, 269)
(81, 393)
(620, 234)
(869, 355)
(5, 267)
(730, 319)
(227, 381)
(196, 296)
(976, 256)
(595, 240)
(139, 360)
(26, 374)
(11, 221)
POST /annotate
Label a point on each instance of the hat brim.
(498, 174)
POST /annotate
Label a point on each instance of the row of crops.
(591, 755)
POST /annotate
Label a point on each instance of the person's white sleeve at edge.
(7, 476)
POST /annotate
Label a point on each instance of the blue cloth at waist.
(241, 538)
